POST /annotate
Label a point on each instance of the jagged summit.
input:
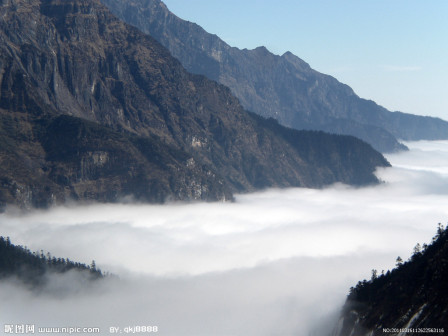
(304, 66)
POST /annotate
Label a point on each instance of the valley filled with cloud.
(278, 262)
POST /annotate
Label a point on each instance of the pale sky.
(394, 52)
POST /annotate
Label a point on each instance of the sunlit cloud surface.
(278, 262)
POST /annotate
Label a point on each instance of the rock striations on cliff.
(93, 109)
(282, 87)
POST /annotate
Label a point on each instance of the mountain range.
(92, 109)
(282, 87)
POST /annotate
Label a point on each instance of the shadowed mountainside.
(93, 109)
(414, 295)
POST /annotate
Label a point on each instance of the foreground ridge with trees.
(412, 299)
(31, 268)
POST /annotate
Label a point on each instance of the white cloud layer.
(279, 262)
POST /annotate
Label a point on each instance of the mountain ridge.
(283, 87)
(33, 269)
(410, 299)
(92, 109)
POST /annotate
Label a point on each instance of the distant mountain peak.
(92, 109)
(262, 49)
(283, 87)
(290, 57)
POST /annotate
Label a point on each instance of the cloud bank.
(278, 262)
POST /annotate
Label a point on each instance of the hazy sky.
(278, 262)
(393, 52)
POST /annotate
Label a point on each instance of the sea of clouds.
(278, 262)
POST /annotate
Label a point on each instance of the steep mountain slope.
(50, 159)
(283, 87)
(139, 124)
(413, 296)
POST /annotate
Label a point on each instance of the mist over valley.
(273, 262)
(153, 176)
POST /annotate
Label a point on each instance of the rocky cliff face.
(412, 299)
(283, 87)
(93, 109)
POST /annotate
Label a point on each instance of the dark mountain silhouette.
(33, 268)
(93, 109)
(414, 295)
(282, 87)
